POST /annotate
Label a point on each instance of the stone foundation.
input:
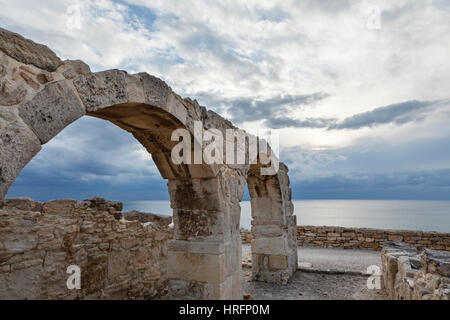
(119, 259)
(412, 275)
(365, 238)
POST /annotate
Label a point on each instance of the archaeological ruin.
(125, 257)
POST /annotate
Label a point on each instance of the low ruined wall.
(412, 275)
(363, 238)
(119, 259)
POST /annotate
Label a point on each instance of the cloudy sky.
(358, 90)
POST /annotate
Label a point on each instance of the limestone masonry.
(364, 238)
(119, 259)
(40, 95)
(412, 275)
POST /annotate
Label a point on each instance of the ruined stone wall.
(363, 238)
(412, 275)
(119, 259)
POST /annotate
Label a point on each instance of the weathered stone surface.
(408, 278)
(201, 194)
(73, 68)
(30, 81)
(44, 77)
(103, 204)
(22, 203)
(156, 91)
(18, 145)
(51, 110)
(11, 96)
(366, 238)
(191, 290)
(102, 89)
(200, 224)
(200, 267)
(145, 217)
(36, 249)
(270, 246)
(27, 51)
(2, 70)
(11, 93)
(60, 206)
(437, 262)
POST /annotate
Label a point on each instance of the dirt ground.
(313, 286)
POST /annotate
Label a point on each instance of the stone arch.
(40, 95)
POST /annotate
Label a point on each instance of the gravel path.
(313, 286)
(317, 258)
(320, 285)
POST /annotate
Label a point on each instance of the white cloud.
(259, 50)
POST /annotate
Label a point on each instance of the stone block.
(198, 224)
(236, 293)
(103, 204)
(102, 89)
(436, 262)
(73, 68)
(22, 203)
(200, 267)
(270, 246)
(233, 252)
(278, 262)
(145, 217)
(261, 208)
(197, 194)
(15, 243)
(51, 110)
(156, 91)
(268, 231)
(11, 94)
(177, 108)
(395, 238)
(192, 290)
(197, 246)
(60, 207)
(18, 145)
(117, 263)
(27, 51)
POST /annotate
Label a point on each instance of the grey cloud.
(205, 40)
(399, 113)
(405, 185)
(273, 14)
(275, 111)
(284, 122)
(272, 110)
(330, 6)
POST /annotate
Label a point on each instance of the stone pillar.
(204, 259)
(274, 227)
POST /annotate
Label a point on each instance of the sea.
(425, 215)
